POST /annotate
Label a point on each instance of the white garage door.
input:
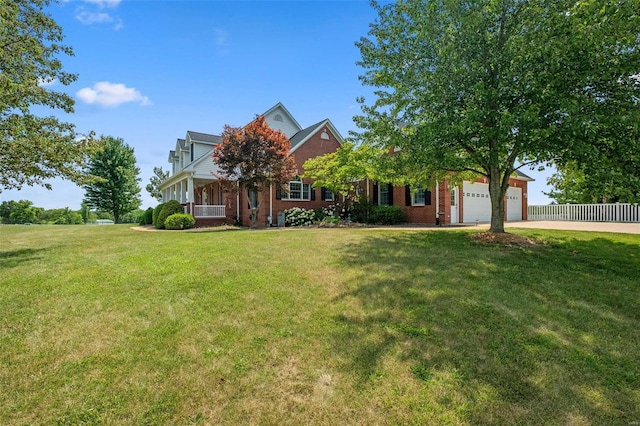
(476, 202)
(514, 203)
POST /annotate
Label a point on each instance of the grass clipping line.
(504, 239)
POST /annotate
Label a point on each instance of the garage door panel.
(477, 204)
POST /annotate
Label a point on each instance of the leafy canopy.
(341, 169)
(255, 157)
(489, 86)
(35, 148)
(153, 187)
(573, 184)
(116, 188)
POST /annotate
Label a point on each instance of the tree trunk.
(253, 212)
(496, 193)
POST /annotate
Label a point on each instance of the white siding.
(184, 160)
(200, 150)
(286, 126)
(204, 168)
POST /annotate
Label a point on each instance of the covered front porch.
(205, 211)
(204, 198)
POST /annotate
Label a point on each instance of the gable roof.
(522, 176)
(285, 110)
(204, 137)
(180, 146)
(303, 135)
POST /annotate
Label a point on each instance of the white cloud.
(111, 94)
(104, 3)
(94, 14)
(86, 17)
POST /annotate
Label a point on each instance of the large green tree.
(22, 211)
(576, 184)
(116, 188)
(35, 148)
(488, 86)
(153, 187)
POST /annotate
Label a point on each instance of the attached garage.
(514, 203)
(476, 204)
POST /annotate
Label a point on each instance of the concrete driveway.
(624, 228)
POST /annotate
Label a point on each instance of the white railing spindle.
(618, 212)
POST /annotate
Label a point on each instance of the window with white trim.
(418, 198)
(328, 195)
(253, 199)
(297, 190)
(383, 194)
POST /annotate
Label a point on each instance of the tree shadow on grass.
(13, 258)
(549, 334)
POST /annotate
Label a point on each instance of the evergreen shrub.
(147, 217)
(156, 212)
(387, 215)
(179, 221)
(169, 208)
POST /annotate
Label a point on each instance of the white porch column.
(190, 197)
(181, 198)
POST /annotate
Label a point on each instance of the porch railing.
(207, 211)
(618, 212)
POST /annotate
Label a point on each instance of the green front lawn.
(106, 325)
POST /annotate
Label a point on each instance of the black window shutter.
(323, 193)
(375, 193)
(278, 193)
(390, 194)
(313, 192)
(427, 198)
(407, 195)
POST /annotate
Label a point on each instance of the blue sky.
(151, 70)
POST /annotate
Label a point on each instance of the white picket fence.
(618, 212)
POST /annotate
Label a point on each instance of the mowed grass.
(107, 325)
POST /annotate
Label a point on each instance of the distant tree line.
(23, 211)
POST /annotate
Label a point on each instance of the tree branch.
(467, 169)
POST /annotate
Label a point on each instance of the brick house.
(469, 203)
(193, 184)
